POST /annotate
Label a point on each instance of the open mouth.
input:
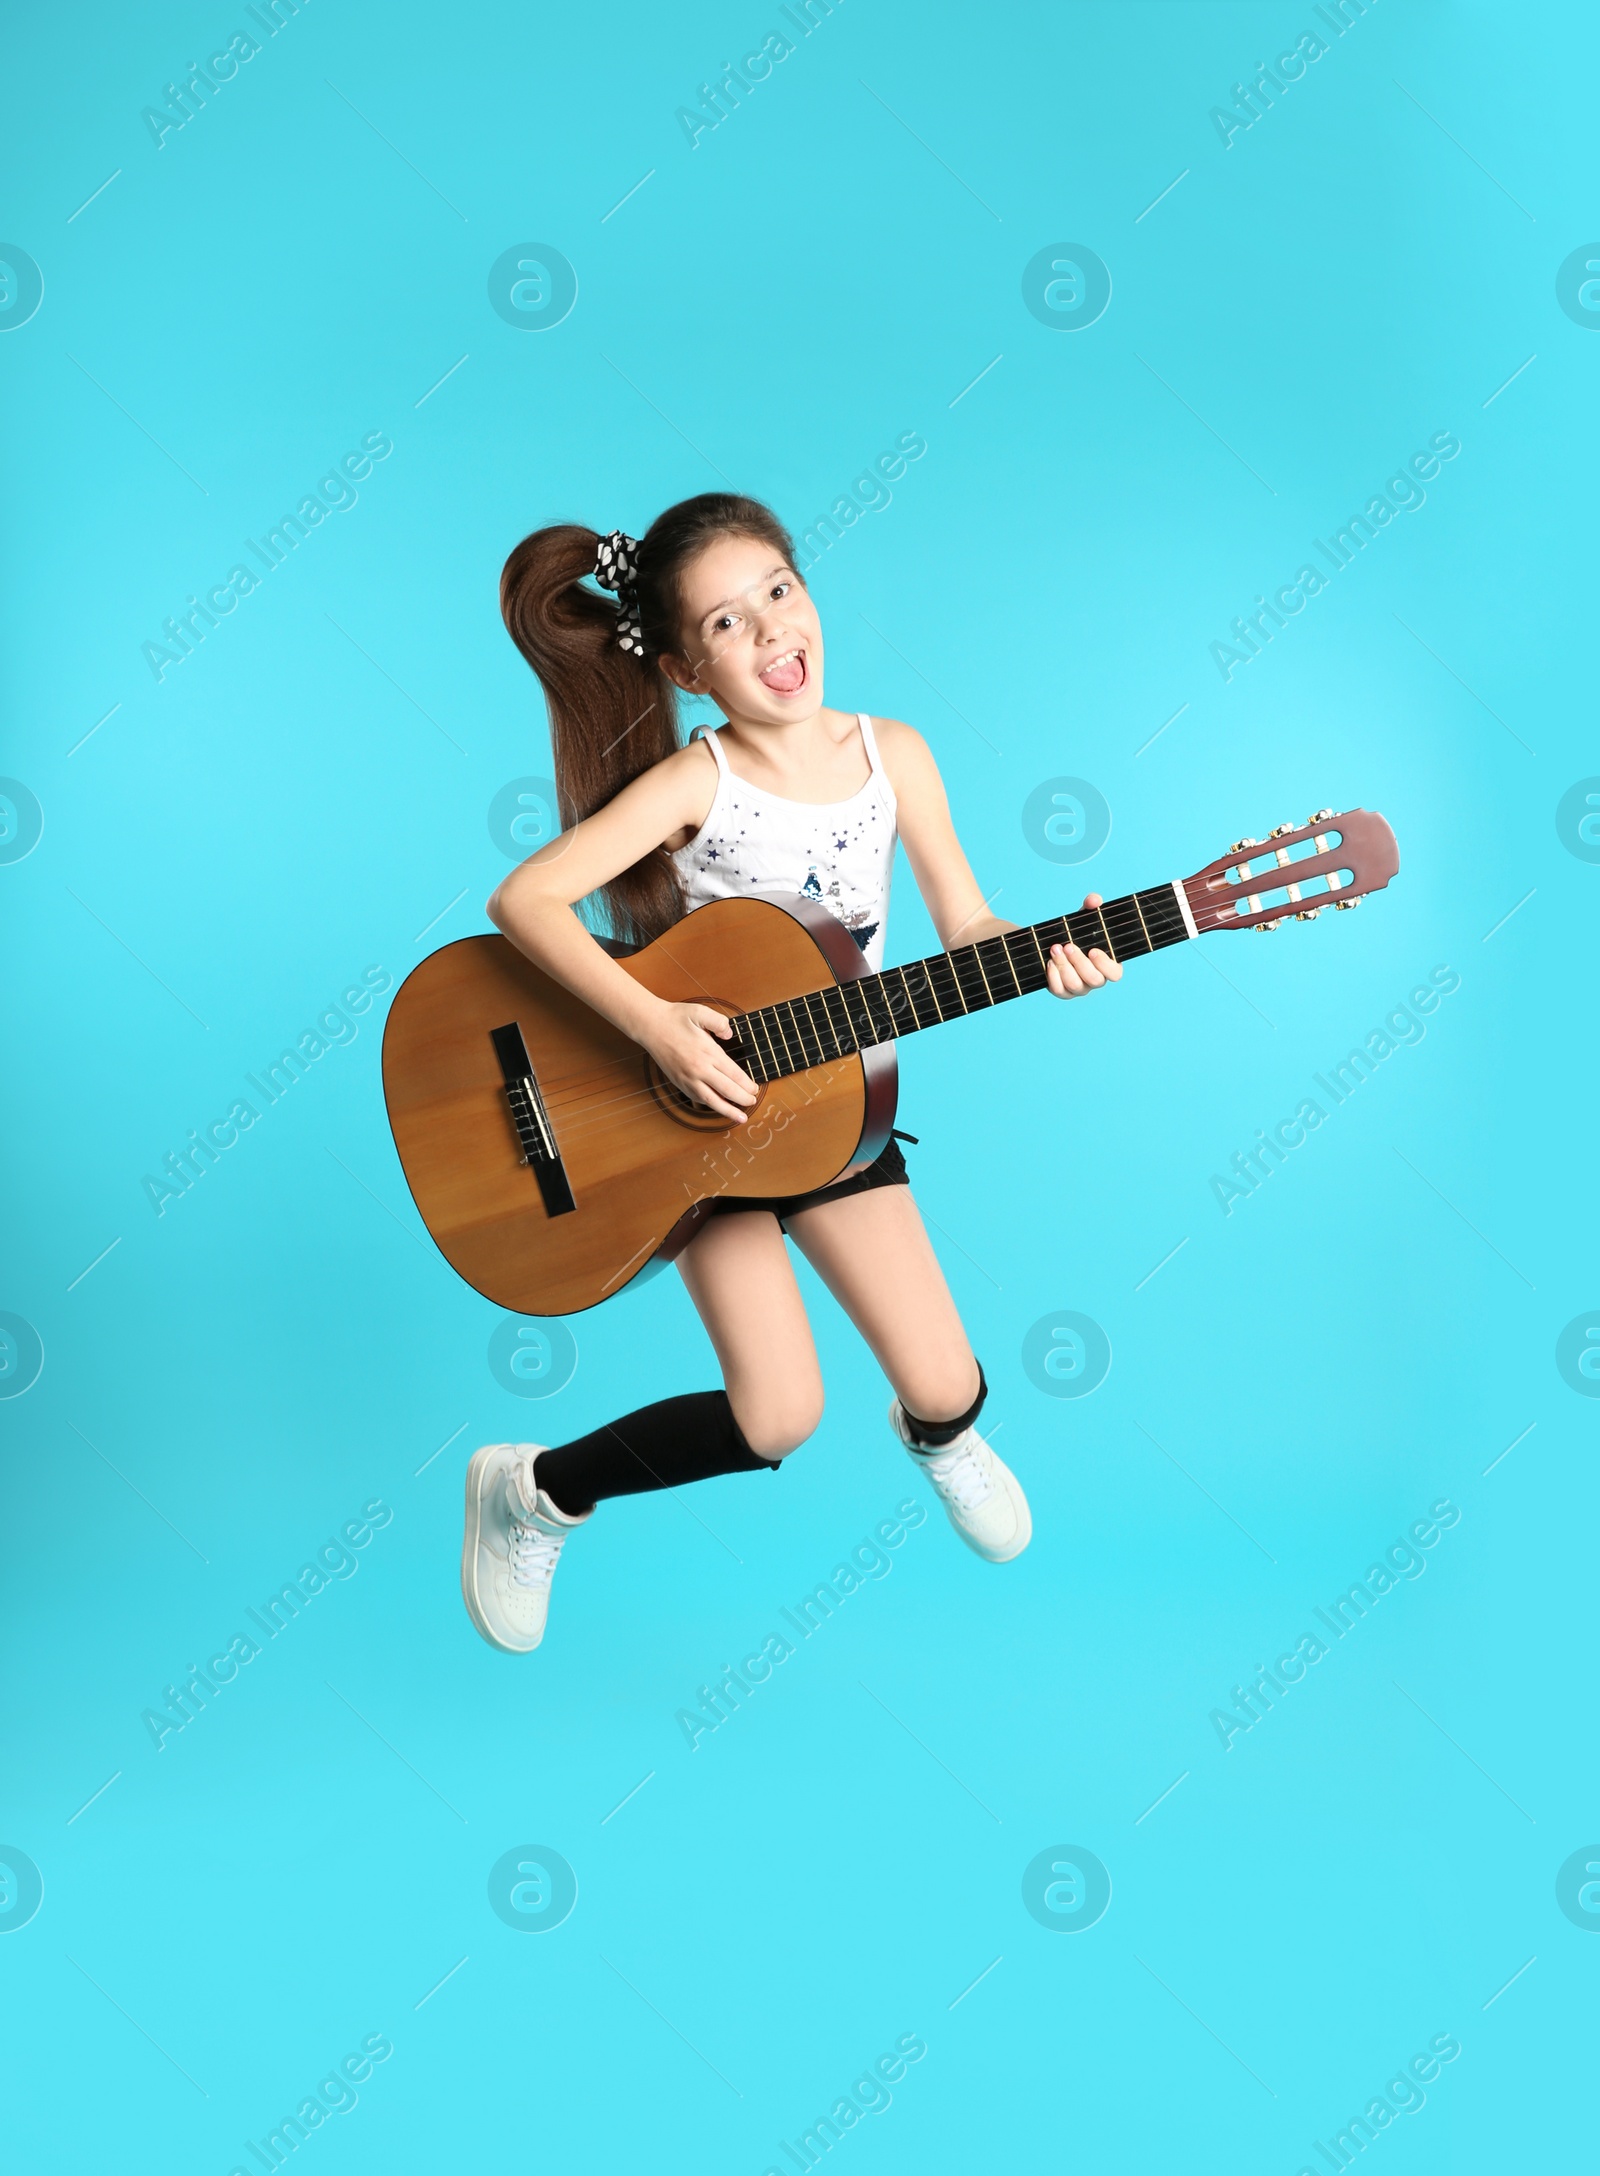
(786, 675)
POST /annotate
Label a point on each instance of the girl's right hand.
(685, 1044)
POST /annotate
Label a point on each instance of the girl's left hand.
(1071, 972)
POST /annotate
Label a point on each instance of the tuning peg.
(1281, 831)
(1344, 905)
(1239, 845)
(1309, 914)
(1319, 816)
(1261, 928)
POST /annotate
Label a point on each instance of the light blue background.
(306, 796)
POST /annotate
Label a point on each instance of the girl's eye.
(780, 589)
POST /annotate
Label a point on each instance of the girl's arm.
(948, 887)
(533, 907)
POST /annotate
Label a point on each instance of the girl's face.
(751, 639)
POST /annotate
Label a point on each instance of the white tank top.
(840, 853)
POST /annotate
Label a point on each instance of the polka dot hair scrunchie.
(616, 567)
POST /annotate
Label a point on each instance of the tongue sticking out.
(785, 678)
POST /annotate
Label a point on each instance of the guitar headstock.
(1331, 860)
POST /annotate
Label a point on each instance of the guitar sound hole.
(677, 1105)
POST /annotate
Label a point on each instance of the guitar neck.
(800, 1032)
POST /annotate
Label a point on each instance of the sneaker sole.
(481, 1471)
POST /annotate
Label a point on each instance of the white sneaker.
(982, 1497)
(513, 1542)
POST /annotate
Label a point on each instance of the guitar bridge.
(531, 1119)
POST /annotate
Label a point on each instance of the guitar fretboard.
(800, 1032)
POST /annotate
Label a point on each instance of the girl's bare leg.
(743, 1286)
(875, 1257)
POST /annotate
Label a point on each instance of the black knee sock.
(933, 1435)
(682, 1439)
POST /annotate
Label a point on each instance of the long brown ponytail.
(613, 714)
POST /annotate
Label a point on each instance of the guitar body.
(640, 1163)
(551, 1160)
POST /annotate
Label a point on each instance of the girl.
(787, 795)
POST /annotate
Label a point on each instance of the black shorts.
(889, 1169)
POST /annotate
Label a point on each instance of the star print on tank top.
(839, 853)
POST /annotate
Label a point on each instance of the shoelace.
(963, 1472)
(533, 1555)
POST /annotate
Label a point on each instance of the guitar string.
(583, 1102)
(582, 1112)
(583, 1084)
(585, 1112)
(579, 1080)
(580, 1109)
(592, 1120)
(607, 1110)
(580, 1085)
(582, 1081)
(607, 1106)
(590, 1117)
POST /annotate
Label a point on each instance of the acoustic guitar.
(551, 1159)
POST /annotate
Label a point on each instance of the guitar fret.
(800, 1018)
(745, 1051)
(1029, 976)
(961, 966)
(775, 1043)
(975, 963)
(933, 995)
(783, 1026)
(906, 1014)
(869, 1034)
(839, 1027)
(1129, 936)
(819, 1039)
(871, 986)
(993, 945)
(904, 1003)
(1004, 941)
(860, 1012)
(824, 1042)
(1115, 934)
(805, 1028)
(880, 994)
(954, 997)
(749, 1026)
(1149, 919)
(1138, 935)
(817, 1031)
(761, 1035)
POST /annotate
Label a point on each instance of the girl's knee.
(775, 1425)
(943, 1392)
